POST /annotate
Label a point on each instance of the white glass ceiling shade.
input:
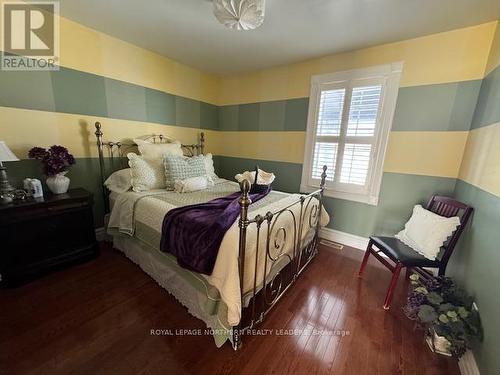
(240, 14)
(6, 154)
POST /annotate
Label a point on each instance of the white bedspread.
(145, 208)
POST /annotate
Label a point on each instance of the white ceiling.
(294, 30)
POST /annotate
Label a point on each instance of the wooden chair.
(404, 256)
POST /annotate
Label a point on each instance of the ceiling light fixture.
(240, 14)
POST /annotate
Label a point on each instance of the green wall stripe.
(287, 174)
(85, 173)
(76, 92)
(440, 107)
(279, 115)
(488, 105)
(399, 193)
(475, 264)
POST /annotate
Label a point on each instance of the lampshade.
(240, 14)
(6, 154)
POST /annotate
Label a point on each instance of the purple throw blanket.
(193, 234)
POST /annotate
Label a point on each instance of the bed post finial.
(98, 134)
(323, 178)
(98, 128)
(202, 143)
(243, 223)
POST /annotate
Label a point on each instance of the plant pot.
(438, 344)
(58, 184)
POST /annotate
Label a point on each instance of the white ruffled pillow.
(158, 150)
(146, 173)
(264, 178)
(209, 166)
(193, 184)
(119, 181)
(426, 231)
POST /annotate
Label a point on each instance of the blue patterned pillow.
(181, 167)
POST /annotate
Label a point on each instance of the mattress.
(140, 215)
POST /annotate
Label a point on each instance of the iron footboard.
(305, 215)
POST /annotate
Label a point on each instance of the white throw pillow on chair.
(426, 231)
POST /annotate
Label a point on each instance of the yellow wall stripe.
(481, 162)
(23, 129)
(91, 51)
(422, 153)
(425, 153)
(453, 56)
(494, 58)
(276, 146)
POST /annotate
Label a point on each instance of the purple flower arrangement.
(438, 304)
(55, 160)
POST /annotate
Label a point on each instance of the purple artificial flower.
(55, 160)
(37, 153)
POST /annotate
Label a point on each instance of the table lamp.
(5, 155)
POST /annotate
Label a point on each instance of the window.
(350, 116)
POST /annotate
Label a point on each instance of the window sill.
(367, 199)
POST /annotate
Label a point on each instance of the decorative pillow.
(147, 173)
(158, 150)
(193, 184)
(209, 166)
(119, 181)
(426, 231)
(264, 178)
(181, 168)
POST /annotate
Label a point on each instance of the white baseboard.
(467, 364)
(347, 239)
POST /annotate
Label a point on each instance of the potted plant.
(56, 162)
(446, 312)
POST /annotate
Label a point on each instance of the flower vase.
(438, 344)
(58, 184)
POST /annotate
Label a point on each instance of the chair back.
(448, 207)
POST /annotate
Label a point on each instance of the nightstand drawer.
(37, 236)
(48, 236)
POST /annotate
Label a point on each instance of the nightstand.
(48, 233)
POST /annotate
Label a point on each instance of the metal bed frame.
(265, 297)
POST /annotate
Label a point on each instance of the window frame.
(388, 76)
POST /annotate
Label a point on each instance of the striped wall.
(477, 259)
(132, 91)
(454, 56)
(442, 76)
(445, 139)
(445, 136)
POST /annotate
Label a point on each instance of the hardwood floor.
(96, 319)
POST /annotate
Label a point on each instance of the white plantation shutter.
(331, 104)
(348, 129)
(355, 163)
(364, 108)
(324, 154)
(361, 127)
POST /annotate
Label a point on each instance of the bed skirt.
(202, 301)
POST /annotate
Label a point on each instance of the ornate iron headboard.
(120, 149)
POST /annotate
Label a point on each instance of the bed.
(261, 255)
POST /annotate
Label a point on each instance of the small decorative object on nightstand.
(41, 234)
(56, 162)
(6, 190)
